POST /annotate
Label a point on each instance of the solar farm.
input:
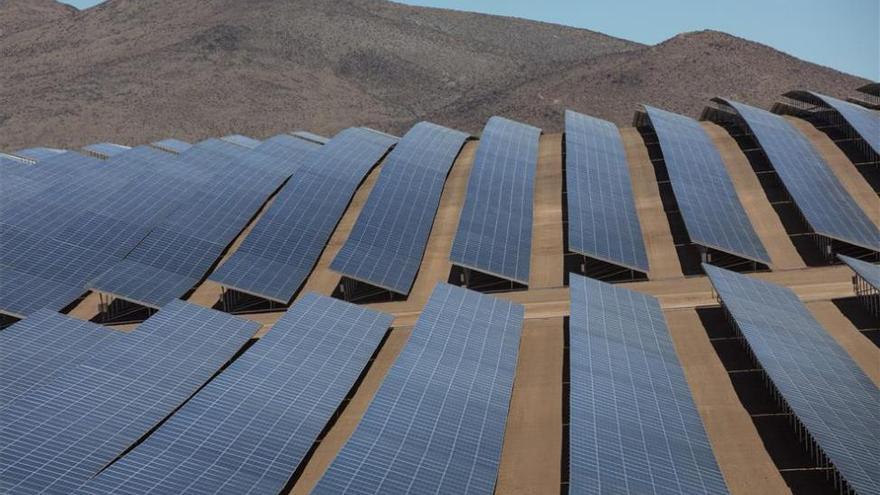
(690, 305)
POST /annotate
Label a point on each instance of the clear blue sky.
(844, 34)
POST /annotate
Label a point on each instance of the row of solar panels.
(78, 396)
(208, 192)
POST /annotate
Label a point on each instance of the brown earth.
(132, 71)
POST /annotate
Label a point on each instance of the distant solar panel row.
(634, 426)
(602, 219)
(712, 212)
(243, 141)
(864, 121)
(309, 136)
(495, 228)
(106, 150)
(436, 425)
(386, 245)
(249, 429)
(867, 271)
(38, 154)
(825, 204)
(832, 397)
(58, 435)
(233, 185)
(172, 145)
(279, 253)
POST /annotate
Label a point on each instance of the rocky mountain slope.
(131, 71)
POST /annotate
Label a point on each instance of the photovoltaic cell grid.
(279, 253)
(386, 245)
(495, 229)
(865, 122)
(602, 218)
(634, 427)
(37, 349)
(57, 436)
(868, 271)
(249, 429)
(712, 212)
(825, 204)
(831, 396)
(436, 425)
(106, 150)
(172, 145)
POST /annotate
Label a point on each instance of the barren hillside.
(136, 70)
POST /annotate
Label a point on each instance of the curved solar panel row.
(279, 253)
(712, 212)
(825, 204)
(868, 271)
(832, 397)
(58, 435)
(172, 145)
(105, 150)
(249, 429)
(169, 261)
(864, 121)
(436, 425)
(602, 218)
(386, 245)
(39, 153)
(495, 228)
(634, 427)
(244, 141)
(310, 136)
(39, 348)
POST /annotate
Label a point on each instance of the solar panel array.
(602, 219)
(58, 435)
(832, 397)
(249, 429)
(436, 425)
(279, 253)
(634, 427)
(240, 140)
(106, 150)
(869, 272)
(386, 245)
(712, 212)
(495, 228)
(39, 153)
(822, 200)
(172, 145)
(39, 348)
(865, 122)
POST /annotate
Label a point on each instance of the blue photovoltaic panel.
(38, 154)
(172, 145)
(309, 136)
(386, 245)
(22, 293)
(287, 146)
(279, 253)
(37, 349)
(495, 228)
(832, 397)
(58, 435)
(865, 122)
(240, 140)
(634, 427)
(249, 429)
(4, 157)
(106, 150)
(712, 212)
(820, 197)
(436, 425)
(602, 218)
(868, 271)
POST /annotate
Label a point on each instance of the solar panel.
(39, 348)
(38, 154)
(602, 218)
(106, 150)
(868, 271)
(820, 197)
(243, 141)
(634, 427)
(172, 145)
(309, 136)
(865, 122)
(57, 436)
(279, 253)
(21, 294)
(386, 245)
(831, 396)
(495, 228)
(285, 146)
(712, 212)
(249, 429)
(436, 425)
